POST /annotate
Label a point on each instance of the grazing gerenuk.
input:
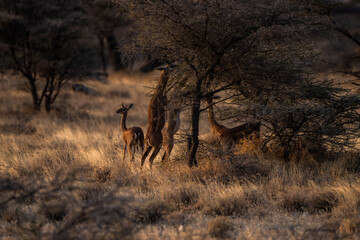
(229, 136)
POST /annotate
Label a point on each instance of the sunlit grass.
(67, 178)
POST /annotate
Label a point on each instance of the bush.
(311, 117)
(304, 201)
(151, 211)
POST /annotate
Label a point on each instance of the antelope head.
(124, 109)
(216, 97)
(169, 66)
(211, 98)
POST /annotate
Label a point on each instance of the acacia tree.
(223, 45)
(47, 43)
(297, 106)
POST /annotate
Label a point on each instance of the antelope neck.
(164, 77)
(212, 120)
(123, 121)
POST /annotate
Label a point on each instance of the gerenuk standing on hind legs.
(156, 117)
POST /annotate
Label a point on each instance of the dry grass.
(61, 176)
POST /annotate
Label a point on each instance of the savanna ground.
(62, 177)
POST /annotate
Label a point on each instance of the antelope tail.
(141, 141)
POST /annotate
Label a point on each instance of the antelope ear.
(130, 106)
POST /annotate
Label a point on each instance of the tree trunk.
(48, 103)
(195, 116)
(194, 143)
(114, 54)
(34, 95)
(37, 106)
(286, 151)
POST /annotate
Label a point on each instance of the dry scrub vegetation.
(62, 178)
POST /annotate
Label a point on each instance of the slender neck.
(212, 120)
(123, 121)
(164, 77)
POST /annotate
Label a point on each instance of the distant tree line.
(53, 42)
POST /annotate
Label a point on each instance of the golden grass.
(62, 176)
